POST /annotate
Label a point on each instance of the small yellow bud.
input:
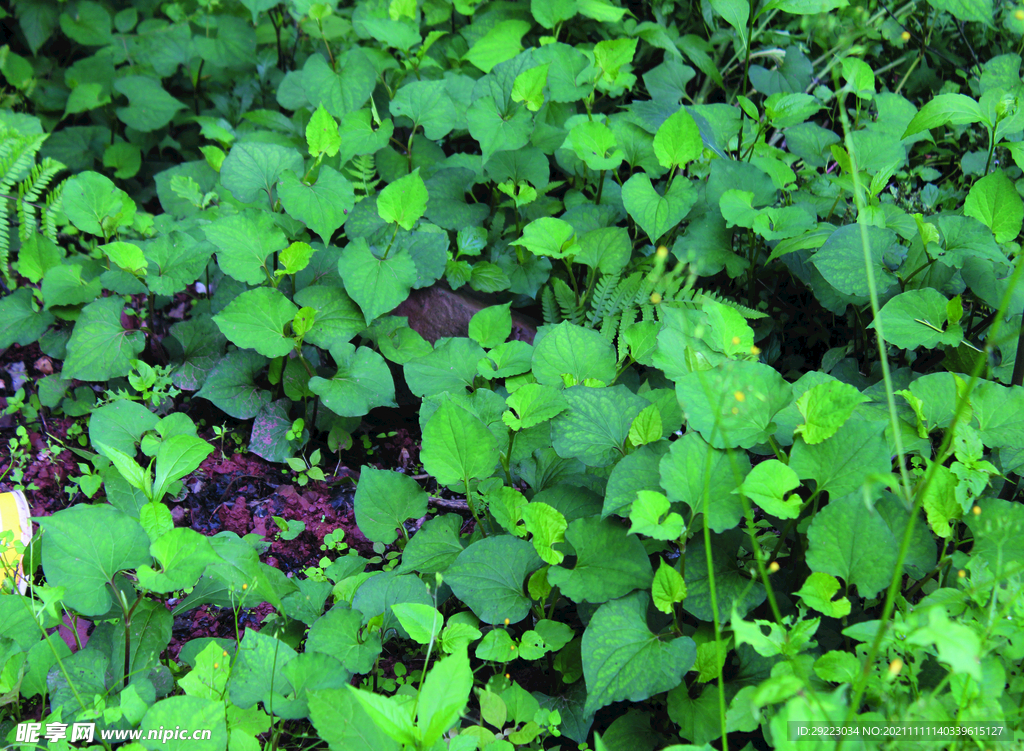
(216, 665)
(661, 252)
(507, 621)
(245, 586)
(755, 350)
(1019, 15)
(735, 410)
(512, 647)
(962, 574)
(508, 677)
(655, 298)
(905, 36)
(977, 509)
(773, 567)
(735, 340)
(224, 653)
(895, 667)
(740, 396)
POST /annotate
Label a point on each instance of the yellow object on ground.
(14, 517)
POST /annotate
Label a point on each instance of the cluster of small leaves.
(678, 533)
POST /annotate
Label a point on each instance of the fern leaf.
(566, 301)
(628, 319)
(549, 306)
(18, 168)
(362, 172)
(599, 301)
(609, 326)
(743, 310)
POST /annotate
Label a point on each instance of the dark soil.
(238, 492)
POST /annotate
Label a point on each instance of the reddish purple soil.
(235, 492)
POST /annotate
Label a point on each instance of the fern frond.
(599, 301)
(743, 310)
(18, 168)
(549, 306)
(362, 172)
(628, 319)
(29, 191)
(609, 327)
(5, 242)
(627, 293)
(566, 299)
(54, 210)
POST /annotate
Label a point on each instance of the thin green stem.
(472, 506)
(913, 496)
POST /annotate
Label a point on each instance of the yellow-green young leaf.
(917, 405)
(130, 470)
(538, 585)
(825, 409)
(423, 622)
(210, 677)
(547, 525)
(929, 232)
(501, 43)
(668, 588)
(303, 321)
(730, 333)
(958, 644)
(529, 87)
(214, 156)
(493, 709)
(710, 658)
(645, 516)
(296, 257)
(818, 591)
(954, 109)
(646, 427)
(767, 486)
(737, 13)
(955, 309)
(778, 640)
(550, 13)
(156, 519)
(404, 201)
(525, 734)
(322, 134)
(456, 637)
(444, 695)
(547, 236)
(940, 503)
(319, 11)
(678, 141)
(126, 256)
(837, 666)
(389, 714)
(604, 11)
(506, 506)
(595, 144)
(491, 326)
(994, 202)
(399, 9)
(749, 108)
(612, 54)
(860, 79)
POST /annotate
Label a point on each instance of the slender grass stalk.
(913, 496)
